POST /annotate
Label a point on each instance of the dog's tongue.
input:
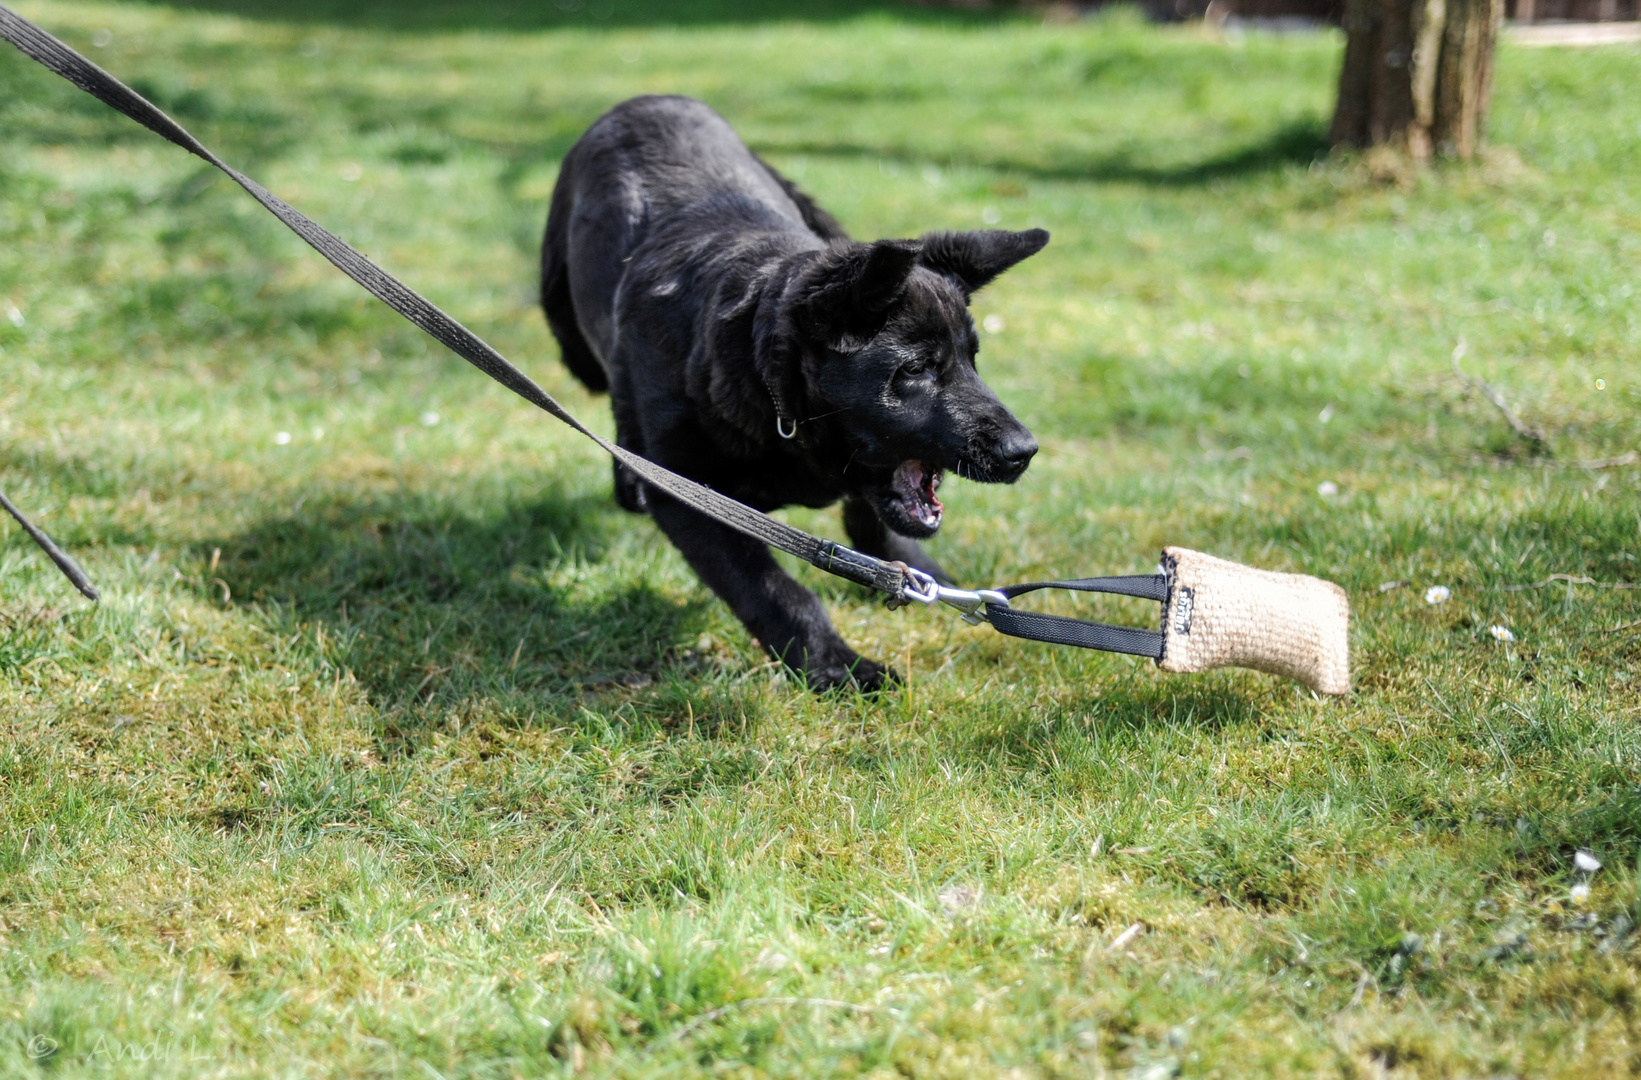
(916, 485)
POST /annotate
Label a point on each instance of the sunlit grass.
(393, 748)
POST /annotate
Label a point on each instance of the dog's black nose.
(1016, 452)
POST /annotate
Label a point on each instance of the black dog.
(749, 344)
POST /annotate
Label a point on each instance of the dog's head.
(889, 359)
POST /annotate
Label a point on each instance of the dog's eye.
(911, 369)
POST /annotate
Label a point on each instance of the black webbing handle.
(1084, 634)
(1059, 630)
(1144, 586)
(59, 58)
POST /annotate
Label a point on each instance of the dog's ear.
(976, 258)
(856, 286)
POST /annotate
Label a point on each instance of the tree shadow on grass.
(429, 606)
(1299, 142)
(427, 16)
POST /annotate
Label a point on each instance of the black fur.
(713, 299)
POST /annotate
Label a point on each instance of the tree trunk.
(1417, 75)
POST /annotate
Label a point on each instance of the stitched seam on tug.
(1168, 564)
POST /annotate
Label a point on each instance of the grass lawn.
(393, 748)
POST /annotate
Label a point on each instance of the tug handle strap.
(1144, 586)
(1059, 630)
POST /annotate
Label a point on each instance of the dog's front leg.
(630, 493)
(786, 617)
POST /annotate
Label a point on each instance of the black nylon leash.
(895, 579)
(834, 558)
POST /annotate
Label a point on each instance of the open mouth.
(913, 488)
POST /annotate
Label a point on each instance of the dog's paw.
(872, 676)
(868, 676)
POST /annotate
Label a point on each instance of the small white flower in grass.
(14, 315)
(282, 438)
(1326, 414)
(1437, 594)
(1580, 893)
(993, 324)
(1327, 489)
(1585, 863)
(774, 960)
(1501, 633)
(429, 419)
(958, 898)
(991, 215)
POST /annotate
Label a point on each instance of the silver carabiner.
(920, 587)
(972, 604)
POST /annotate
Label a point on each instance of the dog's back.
(647, 160)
